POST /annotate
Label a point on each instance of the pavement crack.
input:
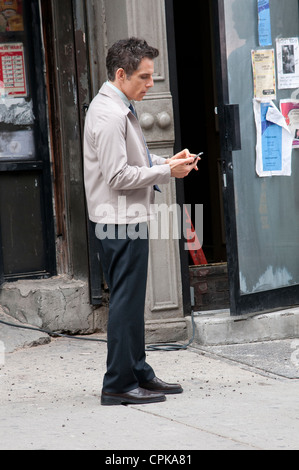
(207, 431)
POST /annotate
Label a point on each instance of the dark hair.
(127, 54)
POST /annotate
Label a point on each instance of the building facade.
(52, 64)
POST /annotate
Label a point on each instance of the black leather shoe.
(157, 385)
(138, 396)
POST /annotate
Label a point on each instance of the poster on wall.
(264, 23)
(19, 144)
(11, 15)
(274, 141)
(287, 63)
(290, 111)
(12, 70)
(264, 78)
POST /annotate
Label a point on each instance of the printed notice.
(12, 70)
(264, 78)
(290, 111)
(271, 142)
(265, 38)
(274, 141)
(287, 63)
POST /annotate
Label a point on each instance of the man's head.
(130, 66)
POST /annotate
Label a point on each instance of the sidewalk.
(236, 397)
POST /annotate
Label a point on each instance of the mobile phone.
(198, 155)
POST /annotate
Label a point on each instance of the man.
(121, 175)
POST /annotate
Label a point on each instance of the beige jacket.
(118, 178)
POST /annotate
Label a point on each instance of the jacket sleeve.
(110, 141)
(158, 160)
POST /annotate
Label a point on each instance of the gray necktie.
(132, 109)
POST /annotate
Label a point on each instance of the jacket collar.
(120, 93)
(109, 91)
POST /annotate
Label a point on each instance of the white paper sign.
(274, 141)
(287, 63)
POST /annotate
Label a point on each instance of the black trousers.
(125, 263)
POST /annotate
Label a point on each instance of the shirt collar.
(120, 93)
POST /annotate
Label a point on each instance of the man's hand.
(182, 163)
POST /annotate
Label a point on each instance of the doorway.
(197, 121)
(193, 86)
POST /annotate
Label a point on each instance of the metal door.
(27, 247)
(261, 211)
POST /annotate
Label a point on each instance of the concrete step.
(218, 327)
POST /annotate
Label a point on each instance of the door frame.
(68, 62)
(258, 302)
(83, 75)
(179, 184)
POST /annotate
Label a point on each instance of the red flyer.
(12, 70)
(290, 111)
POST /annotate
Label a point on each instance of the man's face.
(136, 87)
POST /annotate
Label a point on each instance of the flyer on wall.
(11, 15)
(264, 78)
(274, 141)
(12, 70)
(264, 23)
(290, 111)
(287, 63)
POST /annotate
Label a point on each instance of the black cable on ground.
(173, 346)
(51, 333)
(151, 347)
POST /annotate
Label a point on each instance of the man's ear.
(120, 74)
